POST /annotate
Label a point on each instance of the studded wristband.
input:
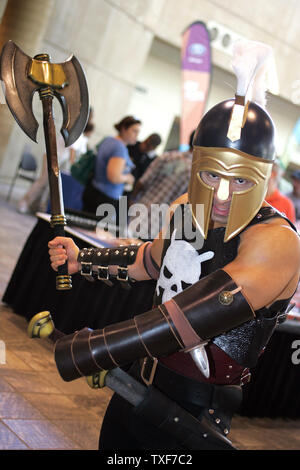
(95, 262)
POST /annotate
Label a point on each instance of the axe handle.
(63, 280)
(51, 151)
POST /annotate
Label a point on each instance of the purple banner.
(196, 75)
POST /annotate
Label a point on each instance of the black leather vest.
(180, 269)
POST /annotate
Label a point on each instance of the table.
(274, 388)
(93, 304)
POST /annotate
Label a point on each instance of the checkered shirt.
(165, 180)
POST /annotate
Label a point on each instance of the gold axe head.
(22, 76)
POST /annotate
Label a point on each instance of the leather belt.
(184, 389)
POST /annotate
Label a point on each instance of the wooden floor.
(40, 411)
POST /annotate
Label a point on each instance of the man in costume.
(215, 305)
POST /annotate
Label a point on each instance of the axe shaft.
(52, 161)
(63, 281)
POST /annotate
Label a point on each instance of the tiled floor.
(40, 411)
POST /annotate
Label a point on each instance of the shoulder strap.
(269, 212)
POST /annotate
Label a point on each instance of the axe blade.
(74, 100)
(18, 90)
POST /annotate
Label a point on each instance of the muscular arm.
(267, 265)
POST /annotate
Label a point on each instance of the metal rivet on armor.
(217, 420)
(132, 253)
(176, 419)
(227, 376)
(99, 253)
(117, 252)
(211, 411)
(82, 255)
(225, 297)
(226, 431)
(205, 435)
(230, 367)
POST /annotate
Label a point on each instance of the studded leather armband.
(95, 262)
(211, 306)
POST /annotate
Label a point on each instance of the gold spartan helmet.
(250, 156)
(227, 164)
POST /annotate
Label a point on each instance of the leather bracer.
(208, 308)
(95, 262)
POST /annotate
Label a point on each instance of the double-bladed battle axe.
(21, 77)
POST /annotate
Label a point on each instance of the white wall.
(159, 103)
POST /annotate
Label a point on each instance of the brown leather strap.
(149, 263)
(187, 333)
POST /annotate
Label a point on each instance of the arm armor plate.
(211, 306)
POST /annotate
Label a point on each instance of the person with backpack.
(113, 167)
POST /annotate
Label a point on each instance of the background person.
(143, 154)
(113, 167)
(295, 194)
(275, 197)
(165, 180)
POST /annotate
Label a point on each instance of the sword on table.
(21, 77)
(166, 414)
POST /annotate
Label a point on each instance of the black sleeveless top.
(184, 263)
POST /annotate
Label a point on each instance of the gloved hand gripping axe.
(21, 77)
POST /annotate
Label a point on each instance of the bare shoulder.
(183, 199)
(268, 262)
(275, 238)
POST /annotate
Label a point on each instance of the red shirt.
(283, 204)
